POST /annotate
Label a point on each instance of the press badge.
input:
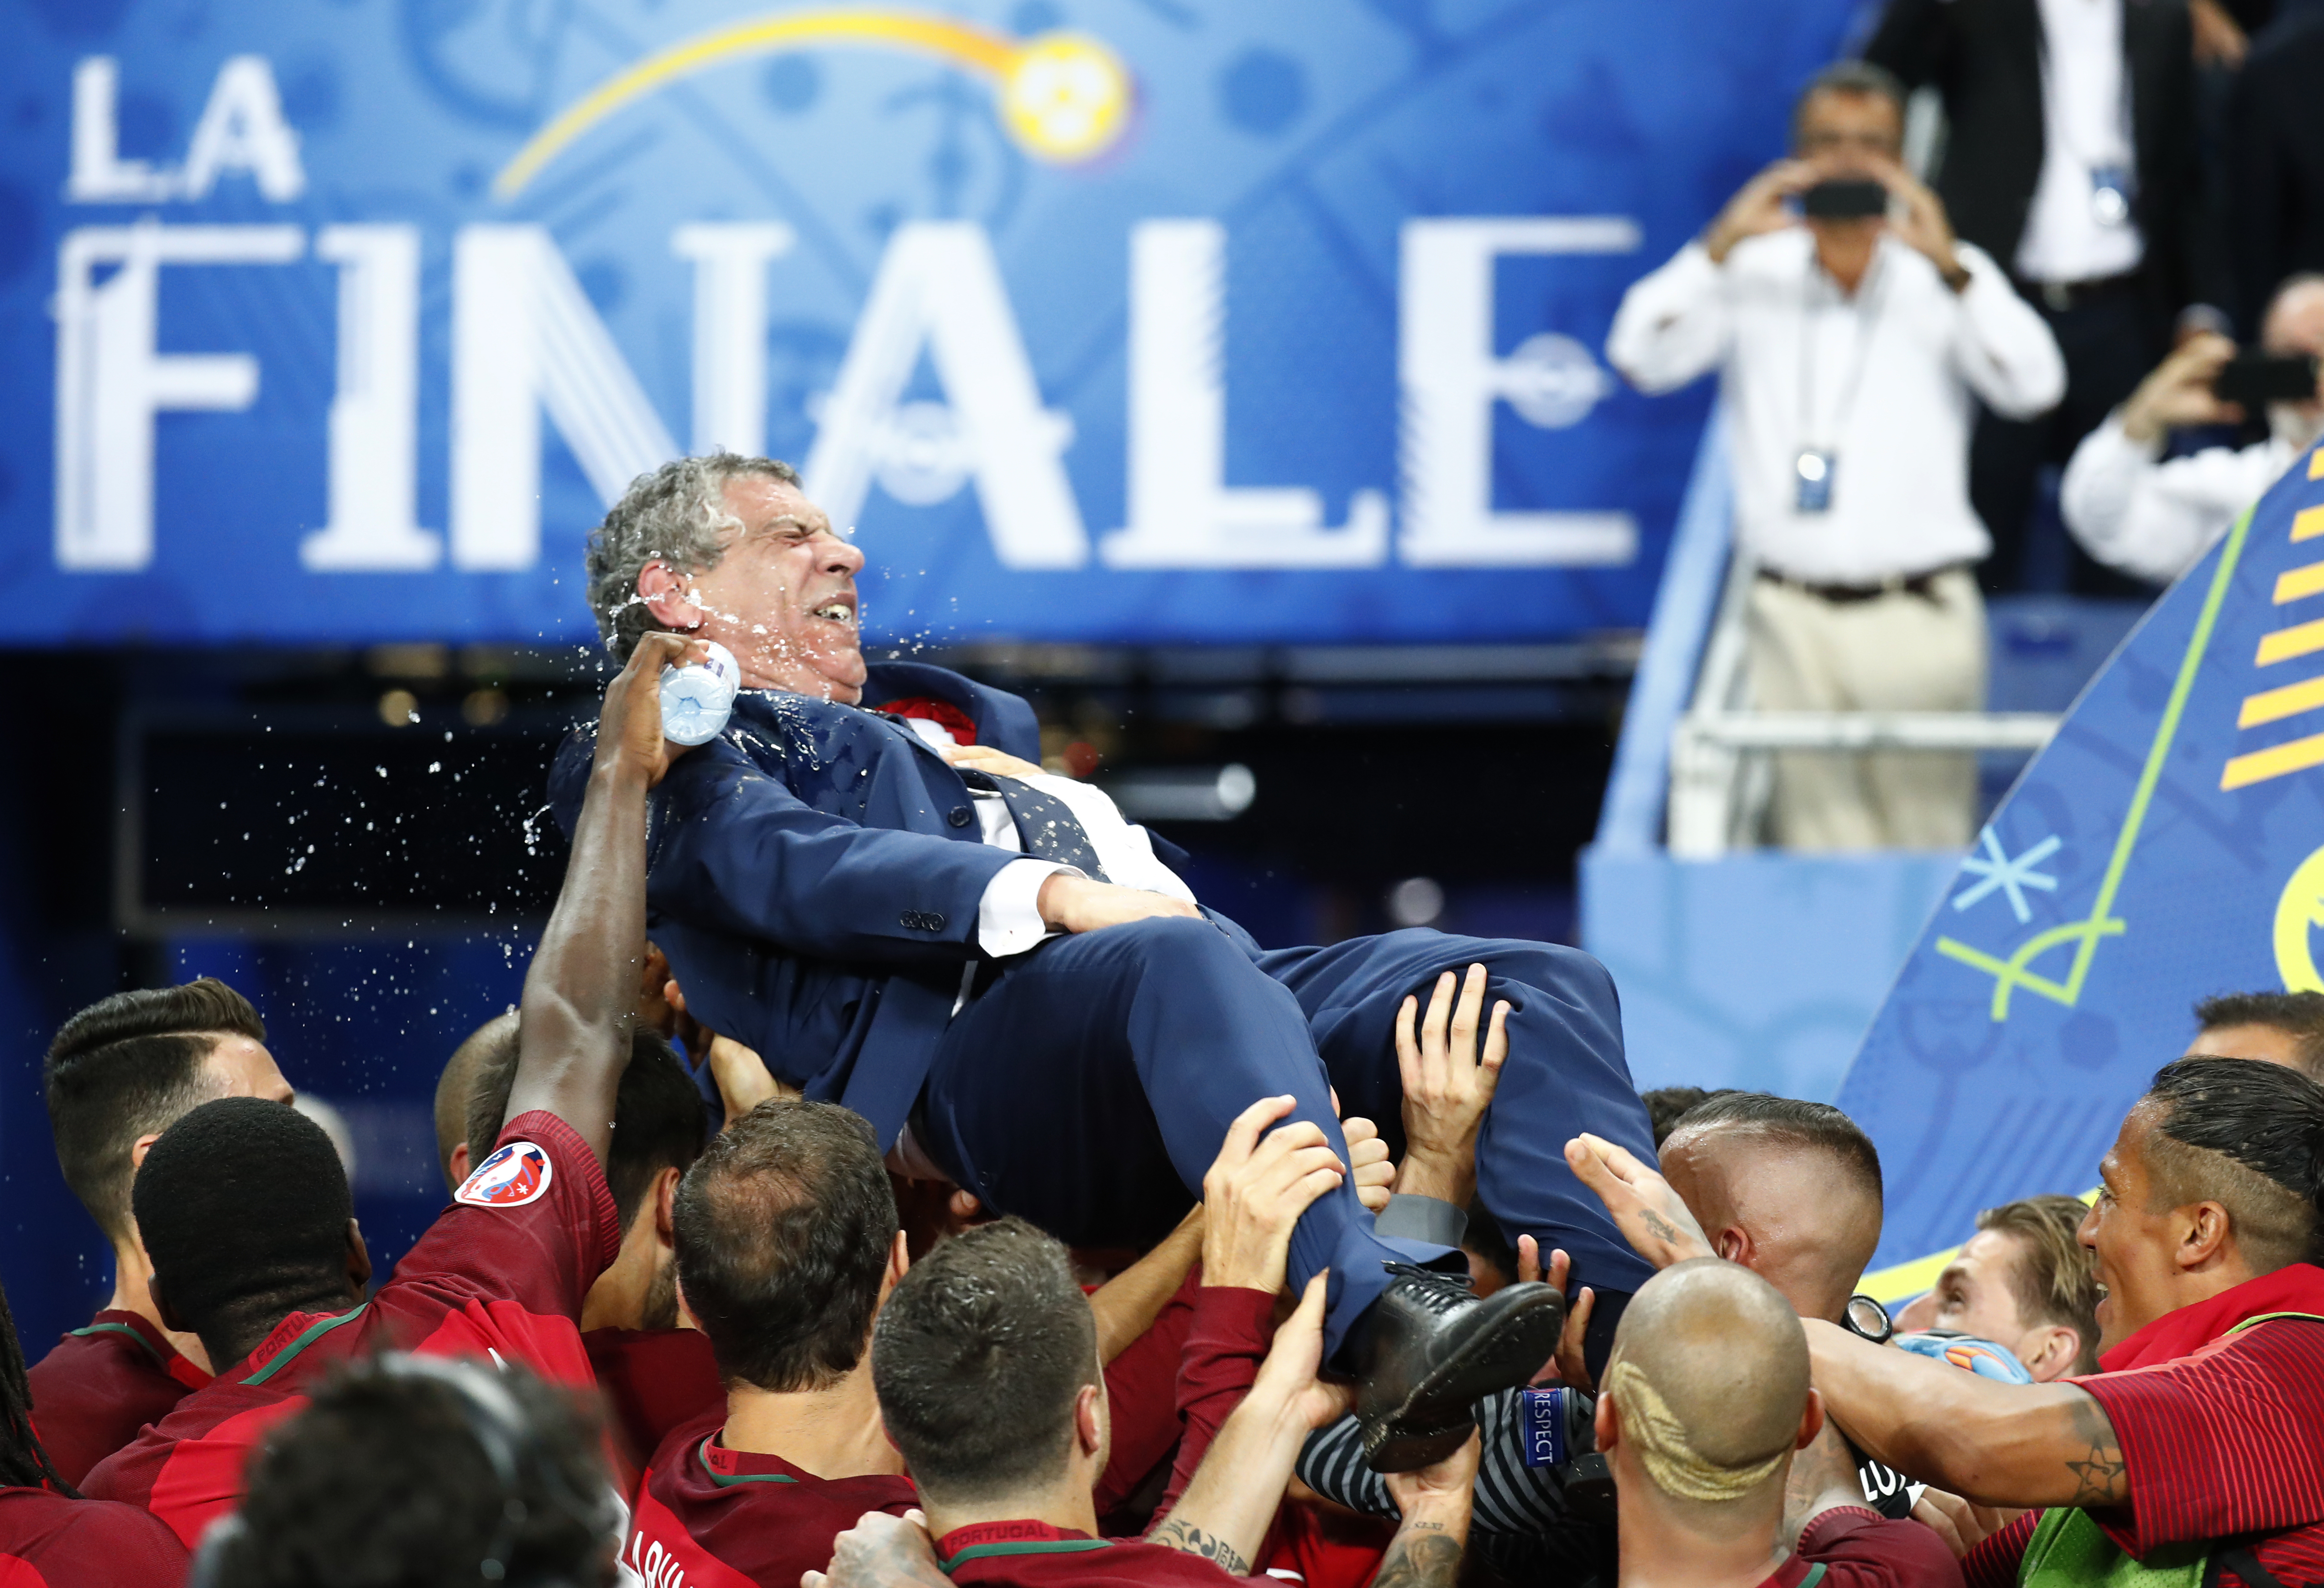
(2110, 194)
(1814, 470)
(1543, 1418)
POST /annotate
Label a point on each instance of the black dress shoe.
(1429, 1349)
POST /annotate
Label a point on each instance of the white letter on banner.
(939, 288)
(99, 175)
(730, 328)
(242, 129)
(375, 414)
(1451, 381)
(111, 382)
(523, 338)
(1182, 512)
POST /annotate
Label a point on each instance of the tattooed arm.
(2006, 1445)
(1225, 1513)
(1426, 1552)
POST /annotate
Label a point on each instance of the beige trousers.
(1895, 652)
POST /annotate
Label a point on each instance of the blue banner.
(1124, 320)
(2164, 848)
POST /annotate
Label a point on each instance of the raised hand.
(1288, 1376)
(1368, 1156)
(628, 728)
(1570, 1365)
(1256, 1191)
(1447, 1085)
(2178, 391)
(1759, 208)
(1436, 1503)
(1645, 1209)
(1918, 220)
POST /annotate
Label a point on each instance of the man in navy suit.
(868, 879)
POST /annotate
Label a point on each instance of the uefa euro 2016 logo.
(516, 1174)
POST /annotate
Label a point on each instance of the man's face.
(2132, 1244)
(1849, 134)
(2295, 325)
(783, 598)
(1974, 1295)
(240, 1068)
(2266, 1043)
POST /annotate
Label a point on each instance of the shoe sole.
(1435, 1419)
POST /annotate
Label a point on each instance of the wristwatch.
(1868, 1319)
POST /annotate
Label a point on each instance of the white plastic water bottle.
(697, 698)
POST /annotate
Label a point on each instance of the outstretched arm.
(580, 996)
(2015, 1445)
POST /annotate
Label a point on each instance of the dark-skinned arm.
(580, 996)
(2005, 1444)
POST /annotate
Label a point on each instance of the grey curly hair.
(676, 515)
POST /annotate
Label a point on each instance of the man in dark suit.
(2071, 156)
(2276, 164)
(868, 879)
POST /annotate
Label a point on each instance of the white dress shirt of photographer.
(1851, 355)
(2153, 519)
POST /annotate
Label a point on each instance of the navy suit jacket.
(814, 874)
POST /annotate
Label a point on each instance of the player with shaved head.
(1702, 1406)
(1789, 1189)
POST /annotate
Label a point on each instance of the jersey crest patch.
(514, 1175)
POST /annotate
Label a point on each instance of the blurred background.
(1229, 379)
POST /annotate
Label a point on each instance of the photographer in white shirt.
(1850, 355)
(2142, 516)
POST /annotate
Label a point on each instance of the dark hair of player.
(658, 1117)
(1817, 1126)
(243, 1206)
(2257, 1136)
(23, 1463)
(2299, 1015)
(783, 1230)
(978, 1358)
(411, 1472)
(130, 1065)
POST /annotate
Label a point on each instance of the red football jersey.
(100, 1384)
(654, 1380)
(500, 1274)
(1035, 1554)
(47, 1541)
(715, 1518)
(2227, 1443)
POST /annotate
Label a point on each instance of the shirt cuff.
(1409, 1217)
(1008, 916)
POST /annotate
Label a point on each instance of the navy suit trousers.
(1088, 1088)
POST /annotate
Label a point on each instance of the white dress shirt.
(2085, 127)
(1009, 917)
(1890, 373)
(2137, 513)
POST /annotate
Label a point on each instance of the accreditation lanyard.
(1815, 461)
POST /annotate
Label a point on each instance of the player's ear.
(664, 1203)
(1089, 1418)
(358, 1260)
(459, 1166)
(1810, 1421)
(665, 594)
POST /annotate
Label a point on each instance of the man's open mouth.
(837, 612)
